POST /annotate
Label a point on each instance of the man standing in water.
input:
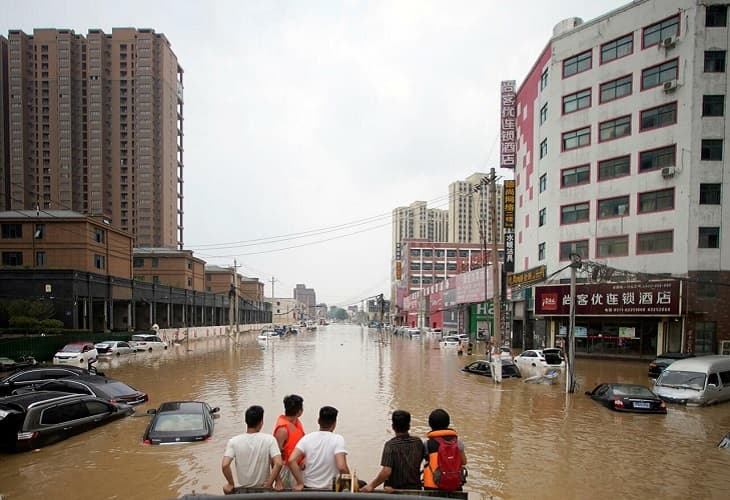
(401, 459)
(257, 456)
(324, 452)
(288, 431)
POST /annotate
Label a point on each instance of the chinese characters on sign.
(508, 200)
(529, 277)
(508, 126)
(611, 299)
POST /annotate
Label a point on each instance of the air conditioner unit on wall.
(668, 42)
(669, 171)
(671, 85)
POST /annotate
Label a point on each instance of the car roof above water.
(700, 364)
(181, 406)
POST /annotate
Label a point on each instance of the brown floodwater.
(522, 441)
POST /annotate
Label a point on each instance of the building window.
(614, 167)
(657, 75)
(660, 31)
(40, 259)
(655, 201)
(155, 262)
(617, 246)
(613, 129)
(576, 138)
(657, 158)
(579, 247)
(613, 207)
(99, 235)
(541, 251)
(139, 262)
(99, 262)
(571, 214)
(710, 194)
(190, 281)
(12, 231)
(714, 61)
(575, 176)
(615, 89)
(577, 64)
(711, 150)
(543, 148)
(659, 116)
(12, 258)
(706, 285)
(658, 242)
(716, 16)
(617, 48)
(713, 105)
(544, 79)
(709, 237)
(542, 216)
(576, 101)
(190, 264)
(155, 280)
(40, 231)
(705, 335)
(543, 114)
(543, 183)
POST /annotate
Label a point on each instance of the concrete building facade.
(167, 266)
(469, 211)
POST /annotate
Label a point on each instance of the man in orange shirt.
(288, 431)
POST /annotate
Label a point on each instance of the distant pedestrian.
(257, 455)
(460, 349)
(324, 453)
(288, 431)
(445, 456)
(401, 459)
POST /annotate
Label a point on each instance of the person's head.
(401, 421)
(254, 416)
(293, 405)
(327, 417)
(439, 420)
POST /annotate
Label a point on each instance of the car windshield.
(630, 390)
(73, 348)
(679, 379)
(179, 422)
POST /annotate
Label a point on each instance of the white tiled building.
(622, 157)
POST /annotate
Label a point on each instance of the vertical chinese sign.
(508, 126)
(508, 223)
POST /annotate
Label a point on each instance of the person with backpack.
(445, 456)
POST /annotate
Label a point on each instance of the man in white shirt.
(257, 455)
(324, 452)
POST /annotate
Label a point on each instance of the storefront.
(632, 319)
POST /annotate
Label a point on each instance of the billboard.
(508, 125)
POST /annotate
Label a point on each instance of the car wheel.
(150, 349)
(117, 353)
(165, 347)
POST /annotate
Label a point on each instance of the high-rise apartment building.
(469, 211)
(306, 296)
(95, 124)
(417, 221)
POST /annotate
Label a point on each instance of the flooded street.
(522, 440)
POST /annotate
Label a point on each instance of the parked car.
(35, 419)
(699, 381)
(539, 358)
(114, 348)
(449, 342)
(93, 385)
(143, 342)
(78, 353)
(483, 367)
(657, 366)
(36, 374)
(628, 397)
(178, 422)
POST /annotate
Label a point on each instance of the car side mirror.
(215, 410)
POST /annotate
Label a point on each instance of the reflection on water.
(522, 440)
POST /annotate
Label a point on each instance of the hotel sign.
(508, 126)
(525, 278)
(653, 298)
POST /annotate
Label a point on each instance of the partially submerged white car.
(144, 342)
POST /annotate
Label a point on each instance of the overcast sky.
(308, 122)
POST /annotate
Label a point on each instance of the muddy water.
(523, 441)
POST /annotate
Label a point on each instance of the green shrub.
(50, 326)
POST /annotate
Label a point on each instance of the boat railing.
(266, 494)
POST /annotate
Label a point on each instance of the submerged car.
(36, 419)
(699, 381)
(38, 374)
(114, 348)
(628, 397)
(112, 390)
(539, 358)
(657, 366)
(179, 422)
(483, 367)
(143, 342)
(78, 353)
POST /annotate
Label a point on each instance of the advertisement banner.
(508, 125)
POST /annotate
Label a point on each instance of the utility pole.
(235, 287)
(273, 280)
(496, 287)
(570, 376)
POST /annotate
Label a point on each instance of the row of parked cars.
(82, 353)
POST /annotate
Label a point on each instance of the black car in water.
(628, 397)
(93, 385)
(657, 366)
(40, 373)
(482, 367)
(178, 422)
(40, 418)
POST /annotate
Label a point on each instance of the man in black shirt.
(402, 458)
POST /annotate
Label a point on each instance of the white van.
(703, 380)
